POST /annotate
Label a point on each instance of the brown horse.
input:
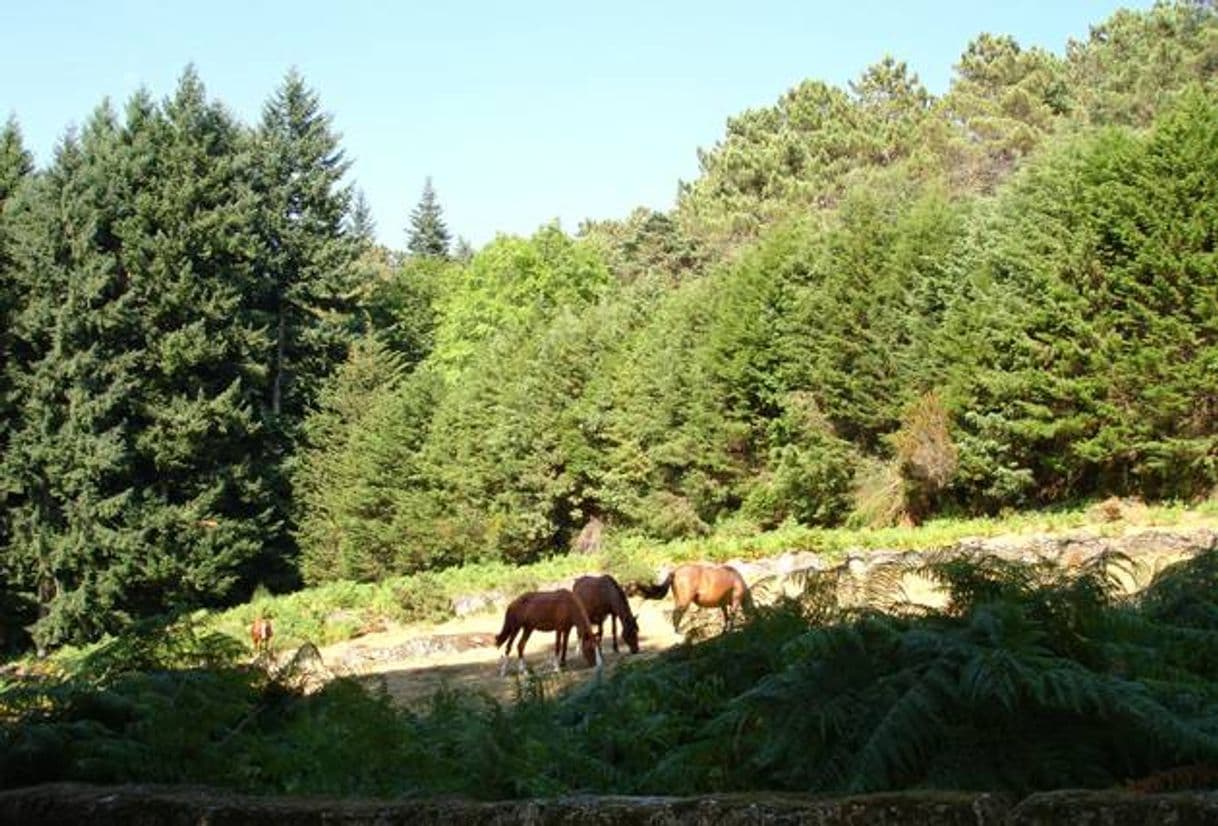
(553, 611)
(603, 597)
(260, 633)
(704, 585)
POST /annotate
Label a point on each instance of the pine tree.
(140, 457)
(16, 165)
(70, 456)
(361, 226)
(427, 235)
(308, 257)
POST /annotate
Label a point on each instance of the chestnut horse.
(603, 597)
(260, 633)
(704, 585)
(553, 611)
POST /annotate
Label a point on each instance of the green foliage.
(138, 457)
(1003, 102)
(1134, 64)
(872, 304)
(512, 285)
(810, 470)
(304, 247)
(361, 448)
(1084, 339)
(1031, 678)
(178, 280)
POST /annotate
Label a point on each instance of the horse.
(704, 585)
(260, 633)
(555, 611)
(603, 597)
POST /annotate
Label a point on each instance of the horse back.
(593, 592)
(547, 610)
(709, 586)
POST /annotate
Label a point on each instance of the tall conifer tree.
(140, 460)
(428, 236)
(308, 256)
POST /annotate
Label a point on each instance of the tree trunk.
(277, 385)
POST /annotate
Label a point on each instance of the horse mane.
(628, 620)
(585, 624)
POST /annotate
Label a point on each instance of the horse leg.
(677, 612)
(524, 637)
(613, 625)
(727, 618)
(507, 652)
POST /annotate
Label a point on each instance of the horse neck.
(582, 623)
(621, 605)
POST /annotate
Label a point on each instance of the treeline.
(176, 287)
(872, 305)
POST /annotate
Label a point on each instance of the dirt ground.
(413, 662)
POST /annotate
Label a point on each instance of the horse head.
(630, 633)
(591, 649)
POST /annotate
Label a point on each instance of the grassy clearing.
(341, 610)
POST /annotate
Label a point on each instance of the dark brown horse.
(704, 585)
(603, 597)
(555, 611)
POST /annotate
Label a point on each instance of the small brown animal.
(260, 633)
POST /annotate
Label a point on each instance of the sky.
(520, 112)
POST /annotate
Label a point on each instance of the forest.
(873, 306)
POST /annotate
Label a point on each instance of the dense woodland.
(872, 305)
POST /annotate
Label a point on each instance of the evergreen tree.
(70, 456)
(1136, 62)
(139, 457)
(359, 470)
(308, 257)
(427, 236)
(16, 164)
(361, 226)
(1084, 343)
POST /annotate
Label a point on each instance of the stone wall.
(63, 803)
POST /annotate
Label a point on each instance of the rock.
(467, 604)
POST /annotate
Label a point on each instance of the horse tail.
(656, 591)
(509, 625)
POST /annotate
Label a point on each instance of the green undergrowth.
(1030, 677)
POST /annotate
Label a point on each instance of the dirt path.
(413, 662)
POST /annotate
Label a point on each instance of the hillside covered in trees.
(872, 305)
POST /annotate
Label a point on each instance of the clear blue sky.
(520, 112)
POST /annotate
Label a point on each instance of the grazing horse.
(260, 633)
(553, 611)
(603, 597)
(704, 585)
